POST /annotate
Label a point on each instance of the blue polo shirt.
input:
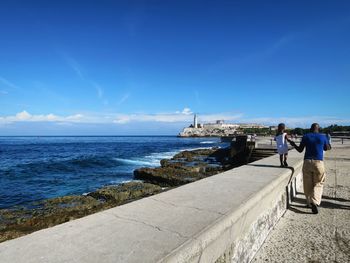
(314, 143)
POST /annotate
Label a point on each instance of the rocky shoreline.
(183, 168)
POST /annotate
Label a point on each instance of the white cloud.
(124, 98)
(122, 119)
(99, 92)
(51, 117)
(187, 111)
(75, 117)
(184, 116)
(8, 83)
(98, 88)
(283, 41)
(24, 115)
(74, 65)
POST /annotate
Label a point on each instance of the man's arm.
(326, 146)
(299, 148)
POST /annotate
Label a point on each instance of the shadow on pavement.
(331, 205)
(293, 209)
(272, 166)
(266, 165)
(299, 203)
(335, 198)
(324, 203)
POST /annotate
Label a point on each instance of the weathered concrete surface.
(301, 236)
(228, 214)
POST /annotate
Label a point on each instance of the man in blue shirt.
(313, 167)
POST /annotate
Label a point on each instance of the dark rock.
(125, 192)
(189, 156)
(166, 163)
(167, 176)
(21, 220)
(185, 167)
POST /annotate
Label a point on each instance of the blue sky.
(143, 67)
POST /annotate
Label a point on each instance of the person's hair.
(281, 128)
(315, 127)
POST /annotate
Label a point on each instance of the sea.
(38, 168)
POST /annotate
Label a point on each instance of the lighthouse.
(195, 122)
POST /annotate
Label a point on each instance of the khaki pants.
(313, 180)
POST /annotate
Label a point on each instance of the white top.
(281, 142)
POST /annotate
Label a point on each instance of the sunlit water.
(36, 168)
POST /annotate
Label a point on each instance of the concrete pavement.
(301, 236)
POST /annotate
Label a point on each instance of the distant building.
(220, 124)
(252, 126)
(218, 128)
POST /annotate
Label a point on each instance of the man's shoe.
(314, 209)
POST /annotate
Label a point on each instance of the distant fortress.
(217, 129)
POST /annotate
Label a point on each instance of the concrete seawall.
(223, 218)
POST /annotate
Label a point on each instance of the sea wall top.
(175, 225)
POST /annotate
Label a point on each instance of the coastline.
(184, 167)
(35, 169)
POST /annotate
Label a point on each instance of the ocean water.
(37, 168)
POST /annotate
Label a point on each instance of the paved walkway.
(301, 236)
